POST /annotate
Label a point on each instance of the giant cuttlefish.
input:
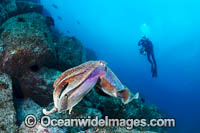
(73, 84)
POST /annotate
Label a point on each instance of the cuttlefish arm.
(111, 85)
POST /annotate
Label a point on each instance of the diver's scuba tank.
(142, 51)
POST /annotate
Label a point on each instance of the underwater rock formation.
(28, 106)
(87, 107)
(7, 9)
(114, 130)
(37, 129)
(115, 109)
(26, 7)
(25, 107)
(70, 53)
(26, 42)
(79, 111)
(40, 129)
(7, 110)
(39, 85)
(10, 8)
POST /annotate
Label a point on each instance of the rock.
(114, 108)
(40, 129)
(7, 8)
(25, 107)
(37, 129)
(109, 106)
(10, 8)
(26, 45)
(79, 111)
(27, 6)
(39, 85)
(114, 130)
(7, 110)
(70, 53)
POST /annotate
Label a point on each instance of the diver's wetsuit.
(147, 47)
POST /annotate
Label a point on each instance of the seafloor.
(32, 55)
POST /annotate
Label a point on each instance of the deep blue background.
(112, 29)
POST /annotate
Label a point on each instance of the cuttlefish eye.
(63, 88)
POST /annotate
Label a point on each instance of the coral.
(38, 85)
(26, 42)
(7, 110)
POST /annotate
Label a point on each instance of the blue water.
(112, 29)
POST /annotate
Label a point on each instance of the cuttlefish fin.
(136, 96)
(126, 96)
(53, 110)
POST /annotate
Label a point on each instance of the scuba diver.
(147, 49)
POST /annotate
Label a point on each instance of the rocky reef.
(26, 43)
(7, 110)
(32, 56)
